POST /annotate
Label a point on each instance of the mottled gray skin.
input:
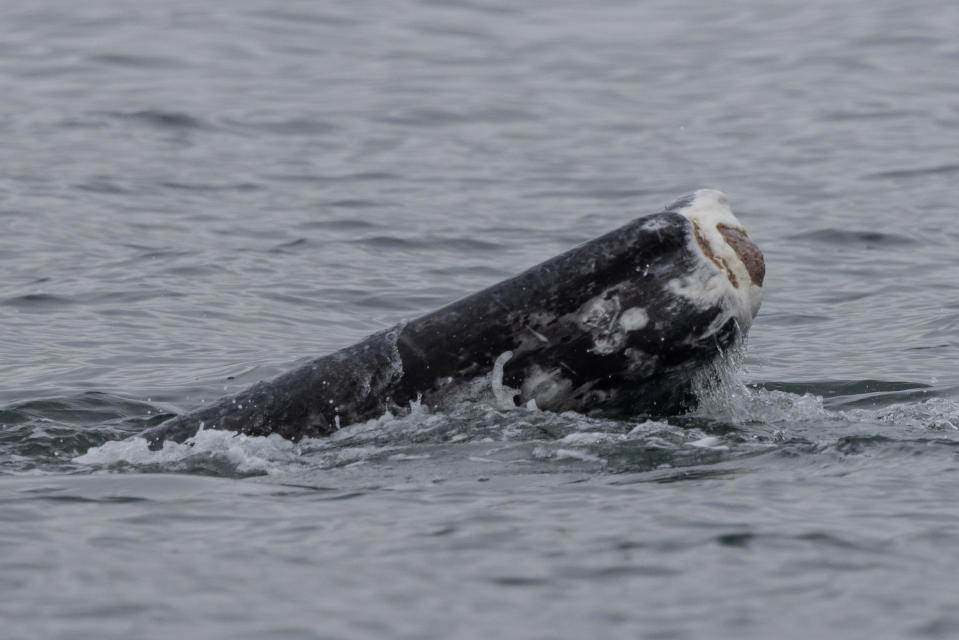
(563, 321)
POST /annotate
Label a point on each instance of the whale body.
(620, 325)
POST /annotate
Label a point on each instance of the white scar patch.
(633, 319)
(710, 285)
(546, 389)
(655, 224)
(505, 396)
(605, 320)
(599, 316)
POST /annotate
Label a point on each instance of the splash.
(940, 415)
(470, 438)
(723, 395)
(732, 420)
(237, 452)
(720, 389)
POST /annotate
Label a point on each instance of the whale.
(618, 326)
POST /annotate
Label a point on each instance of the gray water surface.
(196, 195)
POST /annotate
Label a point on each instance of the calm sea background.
(196, 195)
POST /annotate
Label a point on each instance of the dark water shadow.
(905, 174)
(852, 237)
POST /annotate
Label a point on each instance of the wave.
(474, 439)
(734, 422)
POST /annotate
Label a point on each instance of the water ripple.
(138, 61)
(853, 237)
(945, 169)
(287, 127)
(159, 118)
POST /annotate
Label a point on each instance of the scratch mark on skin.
(539, 336)
(500, 304)
(708, 252)
(567, 367)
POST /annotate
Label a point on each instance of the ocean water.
(195, 196)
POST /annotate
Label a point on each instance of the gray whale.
(617, 326)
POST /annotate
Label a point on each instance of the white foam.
(645, 428)
(576, 454)
(247, 454)
(588, 437)
(402, 457)
(709, 442)
(933, 414)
